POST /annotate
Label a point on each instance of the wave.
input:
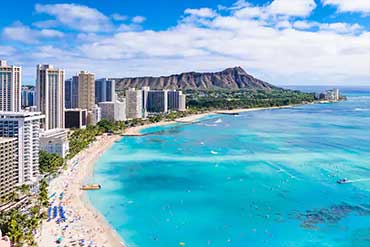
(361, 109)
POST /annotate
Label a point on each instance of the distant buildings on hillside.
(331, 95)
(146, 102)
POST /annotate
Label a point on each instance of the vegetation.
(50, 163)
(79, 139)
(234, 99)
(20, 226)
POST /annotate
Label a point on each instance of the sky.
(284, 42)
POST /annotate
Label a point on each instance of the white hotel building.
(25, 127)
(50, 95)
(10, 87)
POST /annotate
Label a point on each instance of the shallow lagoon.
(264, 178)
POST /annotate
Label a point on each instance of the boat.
(343, 181)
(91, 187)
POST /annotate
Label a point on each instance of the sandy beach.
(135, 131)
(83, 223)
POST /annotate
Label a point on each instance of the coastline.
(84, 222)
(136, 131)
(75, 200)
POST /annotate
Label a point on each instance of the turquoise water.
(264, 178)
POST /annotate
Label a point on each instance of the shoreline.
(136, 131)
(84, 221)
(76, 201)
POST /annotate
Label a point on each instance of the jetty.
(131, 134)
(227, 113)
(187, 121)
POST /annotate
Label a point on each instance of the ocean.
(263, 178)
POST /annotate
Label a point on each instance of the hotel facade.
(25, 128)
(134, 103)
(8, 165)
(50, 95)
(10, 87)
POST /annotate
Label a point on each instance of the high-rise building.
(25, 127)
(10, 87)
(75, 118)
(113, 111)
(95, 115)
(145, 91)
(157, 101)
(8, 165)
(71, 92)
(182, 104)
(86, 84)
(105, 90)
(134, 103)
(176, 101)
(55, 141)
(50, 95)
(28, 97)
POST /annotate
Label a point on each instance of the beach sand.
(83, 222)
(135, 131)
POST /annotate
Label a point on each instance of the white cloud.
(24, 34)
(286, 55)
(138, 19)
(350, 5)
(279, 49)
(340, 27)
(202, 12)
(118, 17)
(45, 24)
(282, 8)
(336, 27)
(19, 32)
(6, 50)
(50, 33)
(304, 24)
(129, 27)
(300, 8)
(77, 17)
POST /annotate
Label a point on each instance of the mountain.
(231, 78)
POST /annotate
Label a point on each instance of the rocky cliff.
(231, 78)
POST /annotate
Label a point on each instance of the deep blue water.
(264, 178)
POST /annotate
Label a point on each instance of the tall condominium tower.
(134, 103)
(157, 101)
(105, 90)
(71, 93)
(86, 85)
(176, 101)
(10, 87)
(28, 96)
(50, 95)
(25, 127)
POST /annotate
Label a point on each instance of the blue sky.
(312, 42)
